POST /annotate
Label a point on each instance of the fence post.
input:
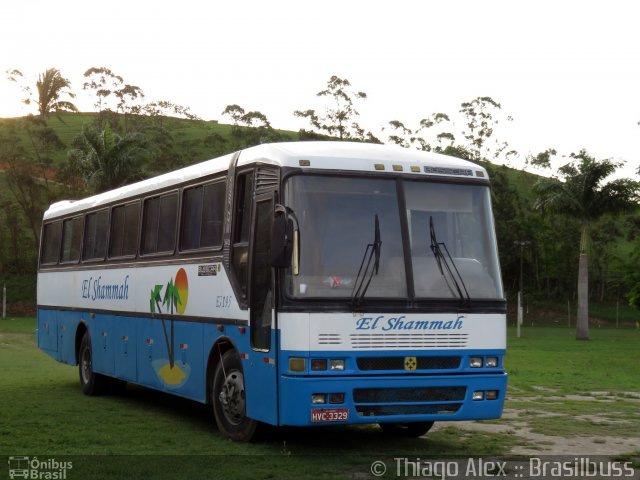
(520, 319)
(568, 313)
(4, 301)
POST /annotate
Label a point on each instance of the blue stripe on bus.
(134, 349)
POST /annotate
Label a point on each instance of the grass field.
(148, 434)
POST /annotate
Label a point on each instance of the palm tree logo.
(170, 301)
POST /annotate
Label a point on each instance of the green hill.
(548, 263)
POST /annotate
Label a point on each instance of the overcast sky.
(568, 72)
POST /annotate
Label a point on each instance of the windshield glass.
(336, 218)
(337, 221)
(462, 221)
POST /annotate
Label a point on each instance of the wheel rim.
(232, 398)
(85, 368)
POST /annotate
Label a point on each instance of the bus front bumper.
(383, 399)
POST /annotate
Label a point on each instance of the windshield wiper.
(436, 248)
(371, 253)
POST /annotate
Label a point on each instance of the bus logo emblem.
(410, 363)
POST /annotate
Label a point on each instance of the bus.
(287, 284)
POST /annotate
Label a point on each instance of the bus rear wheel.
(407, 430)
(229, 400)
(92, 383)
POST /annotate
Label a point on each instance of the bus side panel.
(150, 345)
(67, 326)
(261, 384)
(189, 361)
(126, 340)
(103, 343)
(171, 359)
(48, 331)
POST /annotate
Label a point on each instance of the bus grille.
(430, 409)
(396, 395)
(409, 340)
(398, 363)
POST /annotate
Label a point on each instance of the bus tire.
(406, 430)
(92, 383)
(229, 401)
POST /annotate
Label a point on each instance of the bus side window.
(95, 235)
(191, 218)
(212, 215)
(202, 216)
(71, 238)
(159, 224)
(124, 230)
(51, 243)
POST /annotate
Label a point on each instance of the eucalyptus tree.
(481, 116)
(435, 140)
(581, 192)
(250, 128)
(107, 160)
(339, 118)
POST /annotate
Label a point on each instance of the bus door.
(260, 370)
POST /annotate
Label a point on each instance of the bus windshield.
(336, 218)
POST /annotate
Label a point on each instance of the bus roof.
(345, 156)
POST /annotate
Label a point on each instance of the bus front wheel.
(229, 400)
(92, 383)
(408, 430)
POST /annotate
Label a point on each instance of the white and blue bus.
(287, 284)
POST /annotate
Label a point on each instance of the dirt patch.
(519, 424)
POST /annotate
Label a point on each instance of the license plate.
(329, 415)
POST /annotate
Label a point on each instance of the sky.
(568, 72)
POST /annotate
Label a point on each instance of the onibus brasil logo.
(171, 299)
(26, 467)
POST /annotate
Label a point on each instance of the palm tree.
(582, 193)
(107, 160)
(51, 85)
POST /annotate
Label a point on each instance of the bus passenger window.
(51, 243)
(124, 230)
(95, 235)
(71, 237)
(159, 224)
(212, 215)
(191, 218)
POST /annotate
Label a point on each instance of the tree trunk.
(582, 322)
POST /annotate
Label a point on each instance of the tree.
(581, 193)
(104, 83)
(107, 160)
(250, 128)
(51, 86)
(481, 117)
(339, 118)
(542, 159)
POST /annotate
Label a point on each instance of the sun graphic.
(182, 284)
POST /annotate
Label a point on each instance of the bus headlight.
(478, 395)
(318, 398)
(492, 362)
(475, 362)
(297, 364)
(336, 364)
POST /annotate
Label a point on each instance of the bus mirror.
(281, 240)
